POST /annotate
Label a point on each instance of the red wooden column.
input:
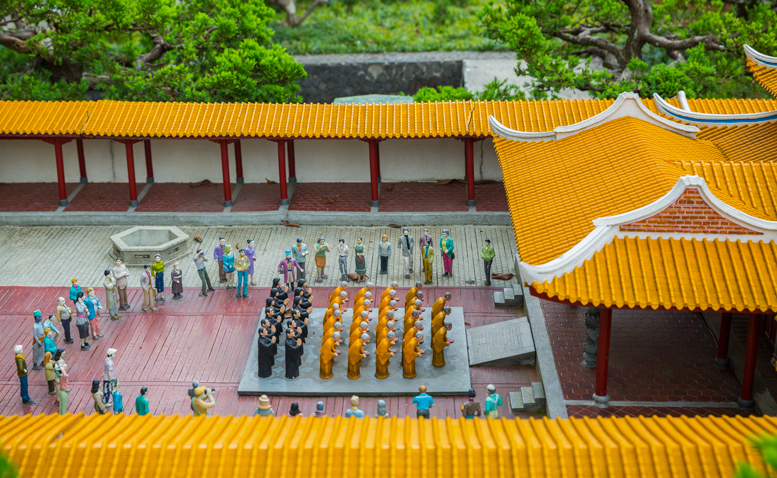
(469, 167)
(374, 172)
(60, 172)
(225, 173)
(239, 162)
(722, 360)
(282, 172)
(81, 160)
(292, 161)
(748, 376)
(603, 358)
(379, 176)
(149, 162)
(131, 170)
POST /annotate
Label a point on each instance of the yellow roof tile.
(764, 75)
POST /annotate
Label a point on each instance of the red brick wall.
(690, 213)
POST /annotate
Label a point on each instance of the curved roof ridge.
(709, 119)
(760, 58)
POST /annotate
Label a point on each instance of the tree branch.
(585, 39)
(160, 48)
(16, 44)
(291, 11)
(709, 41)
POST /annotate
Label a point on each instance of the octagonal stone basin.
(138, 246)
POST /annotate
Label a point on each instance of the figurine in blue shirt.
(118, 399)
(141, 402)
(423, 402)
(354, 410)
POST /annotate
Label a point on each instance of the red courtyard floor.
(181, 197)
(31, 197)
(257, 197)
(340, 197)
(108, 197)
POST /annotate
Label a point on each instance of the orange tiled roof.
(764, 75)
(679, 273)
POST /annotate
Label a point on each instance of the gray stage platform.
(452, 379)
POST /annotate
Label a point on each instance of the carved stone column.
(591, 345)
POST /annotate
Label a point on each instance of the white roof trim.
(707, 119)
(760, 58)
(627, 104)
(607, 228)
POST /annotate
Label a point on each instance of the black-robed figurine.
(266, 354)
(293, 354)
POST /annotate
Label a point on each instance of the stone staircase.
(509, 296)
(529, 399)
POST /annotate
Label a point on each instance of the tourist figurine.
(65, 316)
(406, 244)
(100, 405)
(251, 255)
(327, 356)
(446, 246)
(387, 299)
(354, 410)
(471, 408)
(411, 295)
(293, 353)
(321, 249)
(38, 338)
(199, 262)
(423, 402)
(383, 353)
(242, 263)
(337, 327)
(356, 353)
(382, 411)
(49, 324)
(121, 274)
(342, 259)
(148, 289)
(412, 319)
(384, 252)
(141, 402)
(176, 281)
(493, 400)
(294, 410)
(118, 399)
(487, 254)
(319, 410)
(158, 274)
(93, 308)
(21, 372)
(264, 409)
(266, 353)
(74, 289)
(203, 401)
(82, 322)
(410, 351)
(111, 299)
(64, 384)
(423, 241)
(360, 263)
(440, 340)
(288, 266)
(427, 258)
(51, 375)
(440, 303)
(300, 253)
(49, 346)
(358, 328)
(439, 320)
(336, 293)
(228, 265)
(390, 327)
(218, 255)
(109, 377)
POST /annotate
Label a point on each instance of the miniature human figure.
(362, 312)
(319, 410)
(93, 308)
(423, 402)
(493, 400)
(383, 334)
(406, 244)
(228, 261)
(300, 253)
(288, 266)
(65, 315)
(343, 287)
(410, 351)
(415, 307)
(383, 353)
(387, 299)
(394, 285)
(335, 317)
(487, 254)
(356, 353)
(203, 401)
(360, 264)
(141, 402)
(294, 410)
(327, 356)
(382, 411)
(251, 255)
(358, 328)
(266, 353)
(354, 410)
(411, 330)
(49, 346)
(439, 320)
(293, 353)
(446, 246)
(321, 249)
(199, 262)
(109, 377)
(218, 255)
(121, 274)
(363, 292)
(176, 281)
(51, 375)
(21, 372)
(64, 385)
(148, 289)
(427, 258)
(410, 297)
(340, 301)
(423, 241)
(440, 303)
(413, 318)
(49, 324)
(82, 322)
(342, 259)
(74, 289)
(242, 263)
(111, 302)
(264, 409)
(158, 274)
(440, 340)
(329, 334)
(384, 251)
(382, 322)
(97, 398)
(392, 308)
(471, 408)
(38, 336)
(118, 399)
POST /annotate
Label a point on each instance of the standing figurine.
(38, 336)
(74, 289)
(300, 253)
(97, 398)
(264, 409)
(64, 384)
(336, 293)
(439, 320)
(321, 249)
(294, 410)
(440, 303)
(423, 241)
(356, 353)
(383, 353)
(242, 263)
(158, 273)
(148, 289)
(384, 251)
(293, 353)
(327, 356)
(319, 410)
(358, 328)
(493, 400)
(199, 262)
(411, 295)
(394, 285)
(423, 402)
(218, 255)
(49, 324)
(118, 399)
(21, 372)
(329, 334)
(65, 316)
(383, 333)
(354, 410)
(288, 267)
(406, 244)
(176, 281)
(82, 322)
(49, 346)
(111, 298)
(109, 377)
(389, 311)
(202, 401)
(93, 308)
(392, 294)
(471, 408)
(342, 259)
(141, 402)
(427, 258)
(487, 254)
(363, 292)
(440, 340)
(266, 353)
(121, 274)
(410, 351)
(446, 246)
(51, 375)
(251, 255)
(228, 265)
(360, 264)
(381, 412)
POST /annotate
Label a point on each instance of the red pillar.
(292, 162)
(225, 173)
(149, 162)
(377, 150)
(131, 173)
(603, 357)
(282, 172)
(374, 172)
(81, 160)
(469, 171)
(60, 172)
(239, 162)
(722, 360)
(748, 376)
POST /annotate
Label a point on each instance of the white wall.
(192, 160)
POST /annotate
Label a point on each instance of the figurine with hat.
(38, 335)
(264, 409)
(288, 267)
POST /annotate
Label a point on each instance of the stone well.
(138, 246)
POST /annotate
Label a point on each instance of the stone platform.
(505, 342)
(452, 379)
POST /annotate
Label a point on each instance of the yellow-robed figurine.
(440, 304)
(410, 353)
(356, 353)
(382, 355)
(439, 320)
(327, 356)
(439, 342)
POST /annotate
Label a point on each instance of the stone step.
(529, 403)
(516, 402)
(509, 295)
(539, 393)
(528, 399)
(499, 299)
(518, 293)
(508, 298)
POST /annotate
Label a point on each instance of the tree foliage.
(496, 90)
(153, 50)
(767, 446)
(645, 47)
